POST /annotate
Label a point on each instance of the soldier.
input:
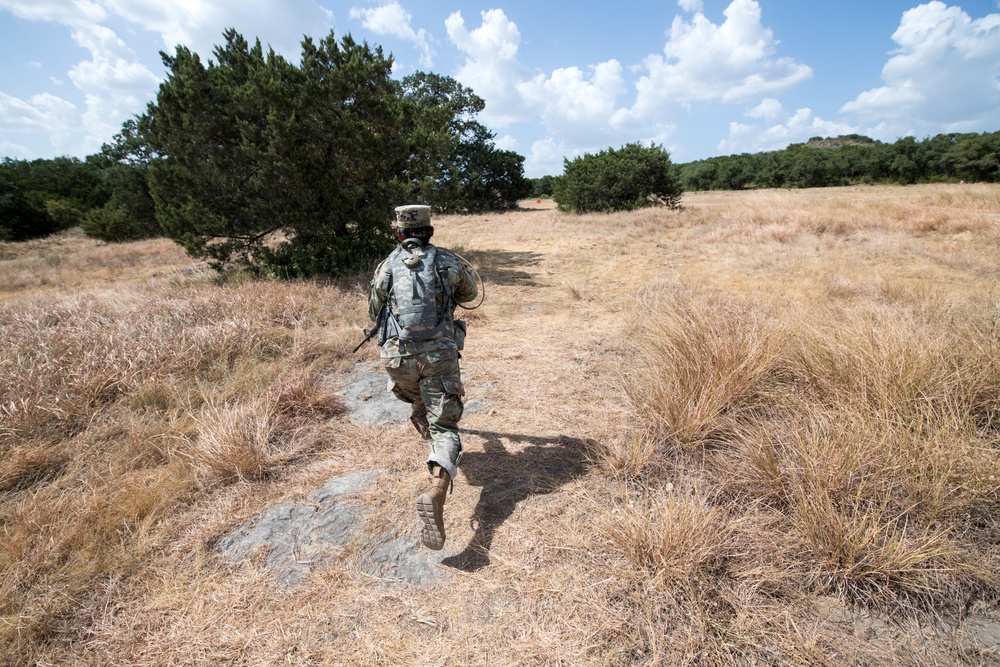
(419, 286)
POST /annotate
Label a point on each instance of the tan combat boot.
(430, 507)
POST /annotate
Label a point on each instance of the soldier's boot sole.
(430, 508)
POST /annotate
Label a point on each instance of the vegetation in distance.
(846, 160)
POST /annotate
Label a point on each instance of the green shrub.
(626, 179)
(117, 221)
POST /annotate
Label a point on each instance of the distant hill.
(838, 142)
(850, 160)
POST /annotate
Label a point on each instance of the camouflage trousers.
(432, 383)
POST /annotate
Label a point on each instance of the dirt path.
(540, 355)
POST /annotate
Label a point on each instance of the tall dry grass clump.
(867, 434)
(677, 536)
(119, 407)
(722, 356)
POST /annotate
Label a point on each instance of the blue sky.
(560, 79)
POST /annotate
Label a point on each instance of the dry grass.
(762, 430)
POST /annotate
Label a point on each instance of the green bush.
(113, 223)
(626, 179)
(21, 217)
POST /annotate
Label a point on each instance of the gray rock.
(984, 630)
(369, 401)
(474, 406)
(354, 482)
(403, 560)
(295, 537)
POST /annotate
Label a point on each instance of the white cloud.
(702, 61)
(176, 21)
(943, 76)
(392, 19)
(491, 67)
(570, 100)
(799, 127)
(75, 12)
(42, 115)
(768, 109)
(506, 143)
(115, 84)
(659, 134)
(198, 24)
(690, 5)
(546, 157)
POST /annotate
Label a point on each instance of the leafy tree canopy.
(294, 170)
(543, 186)
(276, 167)
(39, 197)
(454, 165)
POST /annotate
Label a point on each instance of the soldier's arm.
(466, 289)
(377, 292)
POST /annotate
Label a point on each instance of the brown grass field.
(763, 430)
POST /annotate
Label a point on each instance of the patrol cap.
(413, 216)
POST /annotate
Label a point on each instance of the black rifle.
(379, 322)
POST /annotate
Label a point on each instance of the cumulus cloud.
(546, 157)
(690, 5)
(198, 24)
(43, 115)
(768, 109)
(731, 62)
(573, 102)
(571, 99)
(392, 19)
(506, 143)
(115, 84)
(75, 12)
(784, 129)
(942, 77)
(491, 67)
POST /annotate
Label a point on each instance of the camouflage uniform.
(426, 374)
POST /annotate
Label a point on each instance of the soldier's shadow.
(506, 479)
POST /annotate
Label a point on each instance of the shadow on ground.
(542, 467)
(503, 267)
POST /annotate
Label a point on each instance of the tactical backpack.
(414, 315)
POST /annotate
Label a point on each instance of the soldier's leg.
(404, 382)
(442, 392)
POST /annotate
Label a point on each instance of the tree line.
(846, 160)
(852, 160)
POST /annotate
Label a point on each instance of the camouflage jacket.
(449, 268)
